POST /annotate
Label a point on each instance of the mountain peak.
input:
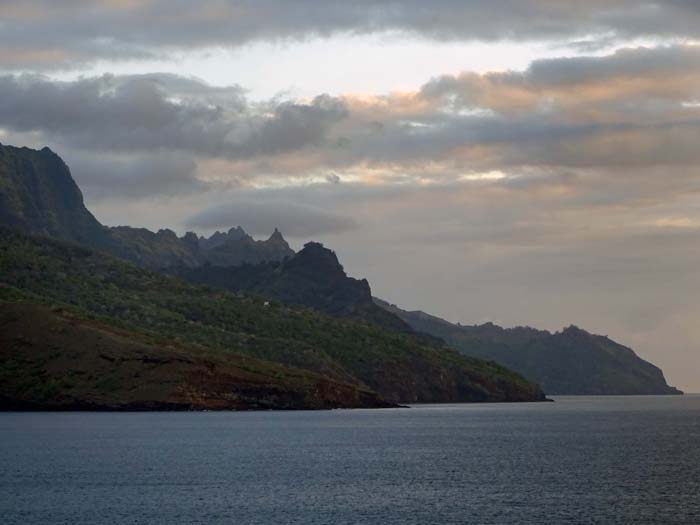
(318, 255)
(38, 195)
(277, 236)
(237, 233)
(574, 331)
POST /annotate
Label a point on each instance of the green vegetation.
(161, 310)
(60, 360)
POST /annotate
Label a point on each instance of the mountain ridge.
(571, 361)
(38, 195)
(311, 278)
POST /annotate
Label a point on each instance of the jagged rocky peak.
(190, 237)
(218, 238)
(277, 237)
(320, 265)
(574, 331)
(237, 247)
(167, 233)
(316, 257)
(236, 234)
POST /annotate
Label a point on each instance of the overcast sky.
(521, 162)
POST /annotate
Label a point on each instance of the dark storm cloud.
(151, 112)
(292, 127)
(263, 216)
(54, 33)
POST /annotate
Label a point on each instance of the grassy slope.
(55, 359)
(162, 308)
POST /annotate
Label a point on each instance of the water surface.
(581, 459)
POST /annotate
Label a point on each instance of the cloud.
(161, 112)
(617, 111)
(150, 135)
(106, 177)
(263, 216)
(634, 75)
(45, 34)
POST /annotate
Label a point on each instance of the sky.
(525, 162)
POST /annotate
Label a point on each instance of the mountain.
(569, 362)
(162, 310)
(312, 278)
(160, 249)
(218, 238)
(39, 196)
(241, 248)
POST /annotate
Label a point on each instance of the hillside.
(54, 359)
(162, 308)
(572, 361)
(312, 278)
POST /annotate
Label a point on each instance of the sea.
(576, 460)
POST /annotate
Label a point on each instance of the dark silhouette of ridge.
(571, 361)
(39, 196)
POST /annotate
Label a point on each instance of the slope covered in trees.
(161, 308)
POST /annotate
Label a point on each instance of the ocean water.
(578, 460)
